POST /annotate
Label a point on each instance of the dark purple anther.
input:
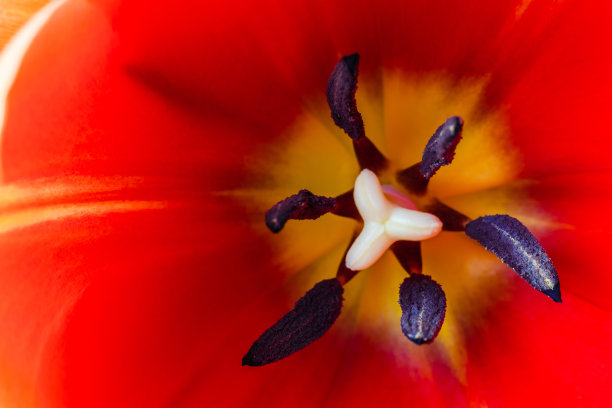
(311, 317)
(301, 206)
(512, 242)
(423, 304)
(341, 88)
(440, 149)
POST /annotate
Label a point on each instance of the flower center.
(391, 221)
(384, 223)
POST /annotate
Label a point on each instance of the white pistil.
(384, 223)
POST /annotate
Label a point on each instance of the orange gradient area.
(399, 119)
(13, 14)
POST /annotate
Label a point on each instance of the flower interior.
(393, 205)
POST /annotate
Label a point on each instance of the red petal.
(541, 347)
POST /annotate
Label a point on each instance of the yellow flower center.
(399, 115)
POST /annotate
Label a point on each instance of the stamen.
(423, 304)
(512, 242)
(345, 206)
(301, 206)
(311, 317)
(368, 156)
(440, 149)
(452, 220)
(413, 179)
(408, 254)
(341, 88)
(384, 223)
(345, 274)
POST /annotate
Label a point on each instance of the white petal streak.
(34, 216)
(49, 200)
(12, 55)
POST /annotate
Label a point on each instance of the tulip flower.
(142, 144)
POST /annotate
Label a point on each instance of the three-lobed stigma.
(384, 223)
